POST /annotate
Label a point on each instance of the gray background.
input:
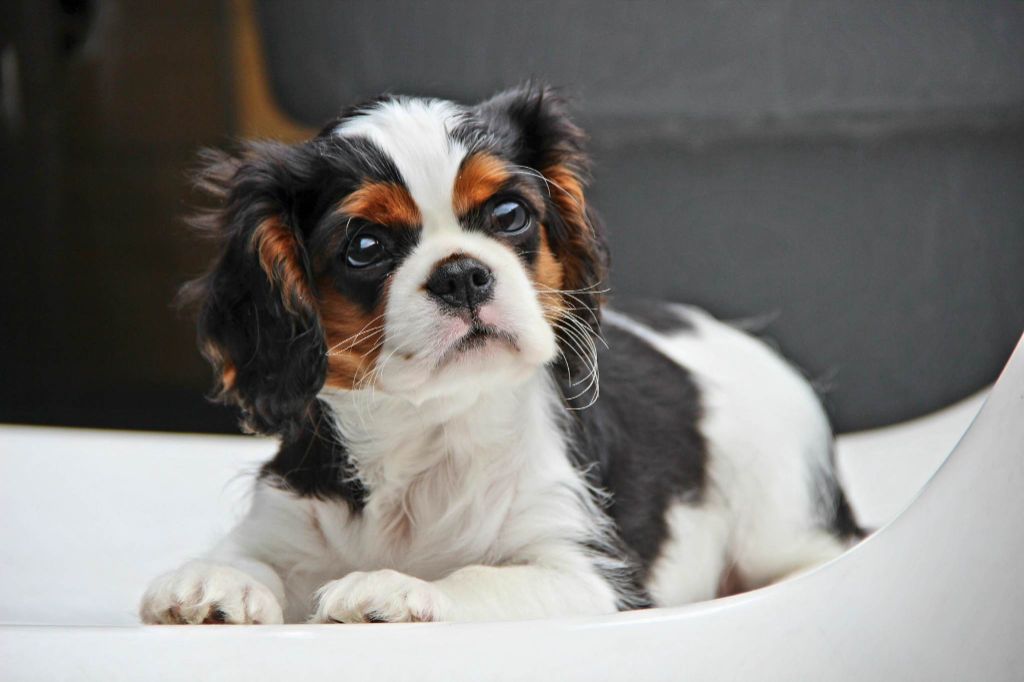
(853, 171)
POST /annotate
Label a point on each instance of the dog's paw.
(384, 596)
(201, 592)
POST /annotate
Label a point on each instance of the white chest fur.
(484, 480)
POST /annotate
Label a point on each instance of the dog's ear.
(533, 122)
(258, 322)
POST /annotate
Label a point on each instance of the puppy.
(413, 301)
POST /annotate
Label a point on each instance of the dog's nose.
(461, 283)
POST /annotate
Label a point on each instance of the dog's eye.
(364, 251)
(510, 217)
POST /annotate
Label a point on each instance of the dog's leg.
(693, 559)
(231, 583)
(801, 550)
(511, 592)
(473, 593)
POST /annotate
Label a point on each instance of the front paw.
(201, 592)
(384, 596)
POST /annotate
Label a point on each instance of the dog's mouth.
(477, 337)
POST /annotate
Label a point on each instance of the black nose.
(461, 283)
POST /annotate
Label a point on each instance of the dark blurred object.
(105, 105)
(854, 169)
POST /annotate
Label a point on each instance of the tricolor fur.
(414, 302)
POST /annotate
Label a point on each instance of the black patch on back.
(640, 440)
(661, 316)
(315, 463)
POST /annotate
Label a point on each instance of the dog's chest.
(433, 505)
(447, 487)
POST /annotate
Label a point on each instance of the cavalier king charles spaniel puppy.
(413, 301)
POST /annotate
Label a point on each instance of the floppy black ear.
(533, 122)
(258, 323)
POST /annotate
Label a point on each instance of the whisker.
(592, 288)
(365, 330)
(589, 359)
(583, 327)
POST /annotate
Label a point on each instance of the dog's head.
(415, 247)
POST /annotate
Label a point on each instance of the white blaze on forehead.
(415, 134)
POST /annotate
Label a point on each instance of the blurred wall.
(850, 170)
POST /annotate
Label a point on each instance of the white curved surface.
(932, 596)
(883, 469)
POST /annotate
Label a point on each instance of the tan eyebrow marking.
(384, 203)
(480, 176)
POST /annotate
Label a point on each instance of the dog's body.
(412, 301)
